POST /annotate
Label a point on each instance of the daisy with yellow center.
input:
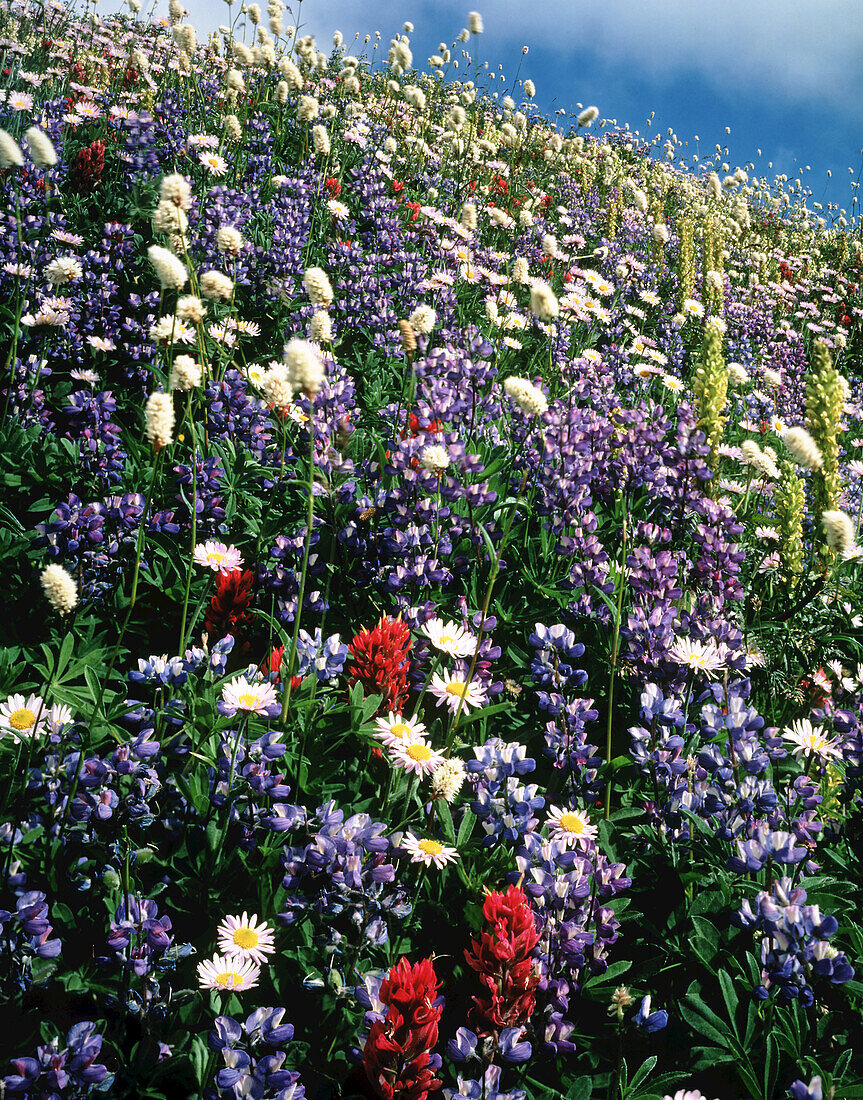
(240, 695)
(672, 383)
(218, 557)
(428, 851)
(807, 738)
(244, 938)
(224, 972)
(573, 827)
(417, 758)
(396, 730)
(215, 165)
(449, 638)
(23, 718)
(452, 687)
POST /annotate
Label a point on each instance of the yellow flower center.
(400, 729)
(22, 719)
(419, 752)
(430, 847)
(245, 938)
(217, 558)
(457, 687)
(227, 979)
(248, 699)
(445, 639)
(572, 823)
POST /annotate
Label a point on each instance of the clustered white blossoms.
(529, 398)
(159, 420)
(60, 588)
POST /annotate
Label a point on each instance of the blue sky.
(785, 75)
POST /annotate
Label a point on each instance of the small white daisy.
(451, 688)
(449, 638)
(244, 938)
(233, 974)
(396, 730)
(699, 656)
(418, 757)
(216, 165)
(571, 826)
(218, 557)
(428, 851)
(807, 738)
(22, 717)
(239, 694)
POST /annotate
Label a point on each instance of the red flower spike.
(503, 961)
(228, 612)
(397, 1057)
(381, 662)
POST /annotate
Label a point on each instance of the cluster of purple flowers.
(68, 1072)
(261, 1073)
(342, 876)
(795, 948)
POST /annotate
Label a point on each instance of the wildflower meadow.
(432, 630)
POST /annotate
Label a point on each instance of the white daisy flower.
(244, 938)
(428, 851)
(807, 738)
(233, 974)
(396, 730)
(449, 638)
(22, 717)
(571, 826)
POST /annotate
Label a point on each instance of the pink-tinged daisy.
(699, 656)
(807, 738)
(396, 730)
(244, 938)
(428, 851)
(240, 695)
(215, 164)
(81, 375)
(22, 717)
(571, 826)
(417, 757)
(233, 974)
(218, 557)
(452, 687)
(101, 343)
(449, 638)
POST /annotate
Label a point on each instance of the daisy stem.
(190, 566)
(310, 516)
(495, 569)
(613, 665)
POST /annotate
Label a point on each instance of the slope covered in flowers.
(432, 636)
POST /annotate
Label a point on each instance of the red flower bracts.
(85, 171)
(229, 608)
(502, 959)
(381, 662)
(397, 1056)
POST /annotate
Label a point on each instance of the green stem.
(191, 562)
(288, 666)
(613, 662)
